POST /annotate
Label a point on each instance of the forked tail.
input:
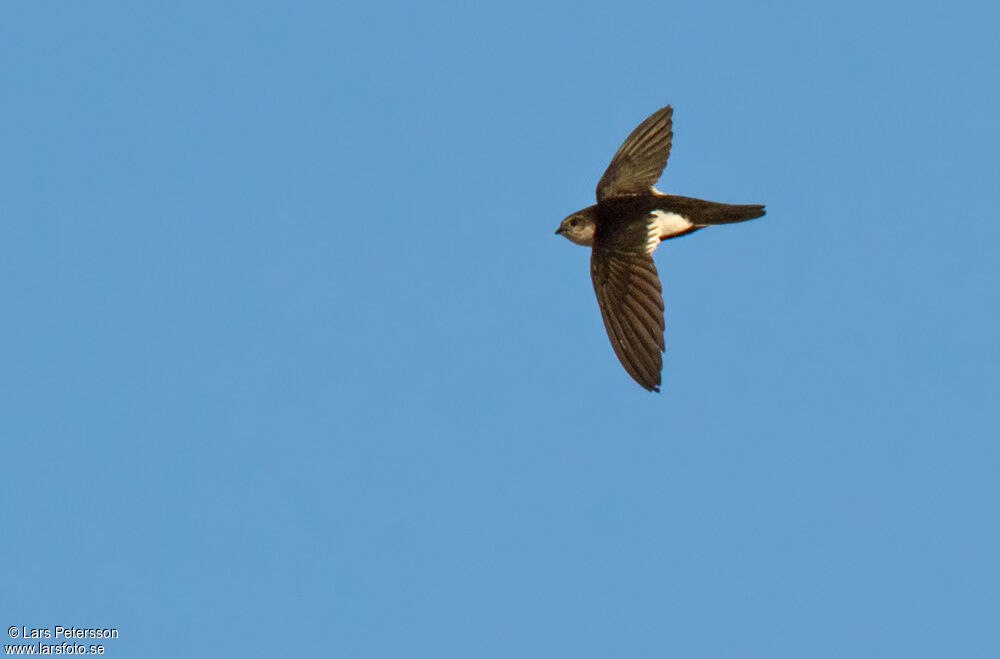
(701, 212)
(715, 213)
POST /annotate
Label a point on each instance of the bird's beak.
(558, 231)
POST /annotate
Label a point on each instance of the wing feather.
(629, 295)
(640, 159)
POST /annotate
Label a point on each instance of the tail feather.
(716, 213)
(701, 212)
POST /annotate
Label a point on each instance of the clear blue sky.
(294, 365)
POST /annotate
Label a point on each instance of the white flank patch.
(664, 225)
(652, 236)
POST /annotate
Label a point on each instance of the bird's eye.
(574, 222)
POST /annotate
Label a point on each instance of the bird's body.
(624, 227)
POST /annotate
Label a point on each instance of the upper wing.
(628, 292)
(640, 159)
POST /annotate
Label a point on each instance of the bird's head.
(578, 227)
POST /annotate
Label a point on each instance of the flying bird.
(623, 229)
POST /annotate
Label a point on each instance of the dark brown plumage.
(628, 292)
(623, 228)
